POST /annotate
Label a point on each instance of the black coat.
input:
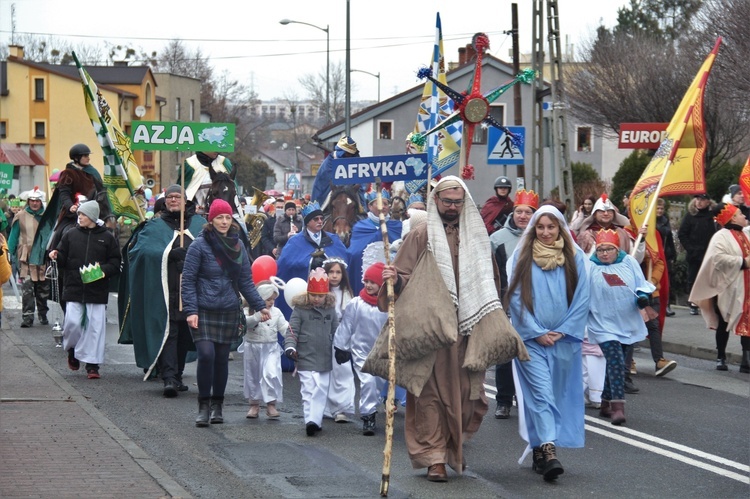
(79, 247)
(696, 230)
(665, 229)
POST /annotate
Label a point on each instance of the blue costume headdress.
(311, 211)
(373, 195)
(415, 198)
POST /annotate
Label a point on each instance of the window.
(3, 129)
(177, 109)
(385, 130)
(39, 129)
(497, 111)
(192, 109)
(583, 139)
(39, 89)
(148, 95)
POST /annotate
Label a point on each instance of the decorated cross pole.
(390, 407)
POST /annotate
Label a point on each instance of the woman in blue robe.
(549, 304)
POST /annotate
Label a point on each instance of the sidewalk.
(686, 334)
(55, 443)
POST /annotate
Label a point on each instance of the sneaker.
(92, 373)
(721, 365)
(670, 312)
(502, 412)
(632, 368)
(663, 366)
(694, 310)
(43, 320)
(73, 363)
(341, 418)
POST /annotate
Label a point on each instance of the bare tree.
(315, 85)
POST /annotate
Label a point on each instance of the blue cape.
(365, 232)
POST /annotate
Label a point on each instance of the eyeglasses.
(608, 249)
(317, 219)
(174, 196)
(448, 202)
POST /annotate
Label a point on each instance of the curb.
(692, 351)
(139, 455)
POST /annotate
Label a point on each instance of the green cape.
(144, 312)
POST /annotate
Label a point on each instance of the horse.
(398, 208)
(342, 211)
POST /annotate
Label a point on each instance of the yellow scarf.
(549, 257)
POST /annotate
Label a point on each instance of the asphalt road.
(686, 436)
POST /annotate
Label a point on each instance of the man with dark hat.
(287, 225)
(154, 322)
(696, 230)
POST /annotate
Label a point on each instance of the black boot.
(368, 424)
(537, 460)
(745, 364)
(216, 416)
(552, 467)
(202, 420)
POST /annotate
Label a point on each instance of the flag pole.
(655, 196)
(103, 124)
(182, 221)
(390, 407)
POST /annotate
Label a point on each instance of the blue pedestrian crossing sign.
(292, 181)
(506, 149)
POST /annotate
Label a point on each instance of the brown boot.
(605, 411)
(618, 412)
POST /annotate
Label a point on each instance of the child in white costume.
(262, 356)
(355, 337)
(341, 391)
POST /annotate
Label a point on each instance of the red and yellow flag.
(745, 181)
(678, 165)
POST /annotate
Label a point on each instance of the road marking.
(609, 433)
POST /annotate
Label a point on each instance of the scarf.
(368, 298)
(227, 250)
(549, 257)
(476, 287)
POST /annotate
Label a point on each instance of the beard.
(449, 216)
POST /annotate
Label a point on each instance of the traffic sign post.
(502, 149)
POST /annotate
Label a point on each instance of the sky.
(390, 37)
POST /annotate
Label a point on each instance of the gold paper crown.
(91, 273)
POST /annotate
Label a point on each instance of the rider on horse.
(346, 148)
(198, 178)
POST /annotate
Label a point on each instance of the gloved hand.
(291, 353)
(342, 356)
(642, 301)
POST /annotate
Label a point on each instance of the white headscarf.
(476, 288)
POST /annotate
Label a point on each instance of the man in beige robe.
(446, 400)
(722, 286)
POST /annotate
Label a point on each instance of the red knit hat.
(374, 273)
(219, 207)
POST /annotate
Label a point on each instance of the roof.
(333, 131)
(13, 154)
(104, 76)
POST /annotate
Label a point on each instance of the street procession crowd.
(555, 302)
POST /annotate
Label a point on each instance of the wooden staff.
(182, 224)
(390, 407)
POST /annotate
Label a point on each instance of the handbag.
(426, 318)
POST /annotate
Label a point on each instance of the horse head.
(342, 212)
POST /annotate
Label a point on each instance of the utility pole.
(558, 124)
(518, 115)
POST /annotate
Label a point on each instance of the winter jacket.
(267, 242)
(82, 246)
(206, 285)
(696, 230)
(282, 228)
(665, 229)
(310, 333)
(265, 331)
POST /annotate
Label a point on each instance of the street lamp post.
(328, 61)
(371, 74)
